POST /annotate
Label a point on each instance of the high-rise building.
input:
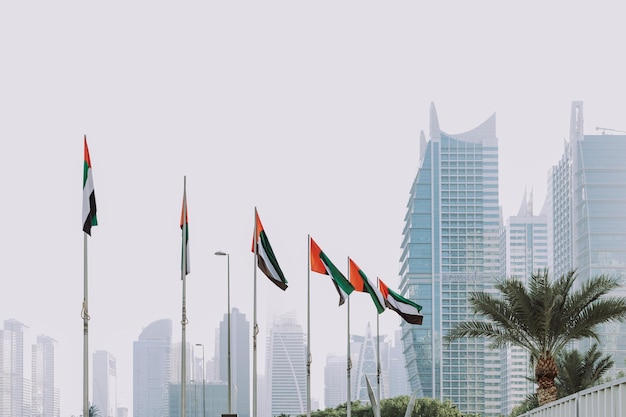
(45, 396)
(213, 403)
(365, 359)
(525, 250)
(14, 388)
(450, 248)
(240, 359)
(104, 386)
(398, 377)
(286, 366)
(587, 216)
(151, 370)
(335, 380)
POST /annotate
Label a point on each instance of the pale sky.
(310, 112)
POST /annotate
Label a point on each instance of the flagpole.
(256, 327)
(183, 322)
(349, 403)
(85, 315)
(378, 361)
(308, 329)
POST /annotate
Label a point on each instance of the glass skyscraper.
(286, 366)
(525, 251)
(45, 393)
(587, 216)
(151, 370)
(450, 247)
(240, 359)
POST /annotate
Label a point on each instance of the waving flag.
(89, 195)
(322, 265)
(360, 282)
(266, 260)
(407, 309)
(184, 226)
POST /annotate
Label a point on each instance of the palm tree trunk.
(545, 373)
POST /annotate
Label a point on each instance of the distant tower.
(151, 370)
(335, 381)
(366, 364)
(14, 390)
(525, 249)
(104, 387)
(239, 357)
(398, 378)
(44, 392)
(286, 366)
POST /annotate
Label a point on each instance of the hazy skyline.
(309, 112)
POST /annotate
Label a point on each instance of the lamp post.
(220, 253)
(203, 382)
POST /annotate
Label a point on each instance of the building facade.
(286, 366)
(151, 370)
(104, 386)
(525, 250)
(240, 359)
(14, 387)
(450, 248)
(587, 216)
(45, 396)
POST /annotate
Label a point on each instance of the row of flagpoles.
(265, 260)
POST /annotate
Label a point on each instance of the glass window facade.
(450, 248)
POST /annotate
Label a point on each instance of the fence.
(607, 400)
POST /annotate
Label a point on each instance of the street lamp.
(203, 382)
(220, 253)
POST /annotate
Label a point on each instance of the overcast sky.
(310, 112)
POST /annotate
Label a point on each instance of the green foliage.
(531, 402)
(581, 371)
(93, 411)
(395, 407)
(544, 315)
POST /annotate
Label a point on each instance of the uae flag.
(266, 260)
(89, 196)
(322, 265)
(361, 283)
(407, 309)
(184, 226)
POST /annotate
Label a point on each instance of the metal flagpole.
(308, 330)
(184, 321)
(349, 403)
(378, 361)
(255, 330)
(85, 315)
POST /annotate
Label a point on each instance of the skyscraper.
(240, 359)
(587, 215)
(450, 247)
(14, 388)
(104, 387)
(335, 380)
(525, 250)
(151, 370)
(365, 360)
(398, 378)
(44, 392)
(286, 366)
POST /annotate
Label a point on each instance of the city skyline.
(309, 112)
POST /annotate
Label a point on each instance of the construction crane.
(604, 129)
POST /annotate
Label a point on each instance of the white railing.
(606, 400)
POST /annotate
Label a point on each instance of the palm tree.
(93, 411)
(543, 318)
(578, 372)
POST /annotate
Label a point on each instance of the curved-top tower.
(450, 247)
